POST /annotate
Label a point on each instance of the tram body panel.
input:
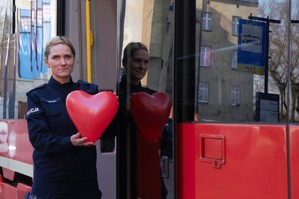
(233, 161)
(16, 150)
(294, 156)
(15, 157)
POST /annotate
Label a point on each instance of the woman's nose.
(62, 61)
(143, 65)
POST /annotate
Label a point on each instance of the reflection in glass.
(248, 54)
(151, 24)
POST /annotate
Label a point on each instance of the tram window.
(237, 70)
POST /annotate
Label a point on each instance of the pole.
(89, 42)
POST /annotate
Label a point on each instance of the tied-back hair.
(56, 41)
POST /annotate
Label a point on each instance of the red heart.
(150, 113)
(91, 114)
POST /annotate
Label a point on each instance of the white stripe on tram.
(17, 166)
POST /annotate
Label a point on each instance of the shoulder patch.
(32, 111)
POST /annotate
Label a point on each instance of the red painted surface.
(14, 143)
(9, 191)
(253, 161)
(8, 174)
(13, 192)
(294, 142)
(215, 160)
(22, 189)
(14, 146)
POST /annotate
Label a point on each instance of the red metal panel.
(8, 174)
(188, 156)
(18, 134)
(1, 187)
(294, 142)
(14, 141)
(22, 189)
(9, 191)
(254, 162)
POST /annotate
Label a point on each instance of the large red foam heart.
(91, 114)
(150, 113)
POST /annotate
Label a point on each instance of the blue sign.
(34, 32)
(252, 47)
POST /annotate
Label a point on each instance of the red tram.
(232, 132)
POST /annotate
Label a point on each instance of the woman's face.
(138, 66)
(61, 62)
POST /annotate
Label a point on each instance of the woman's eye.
(55, 58)
(68, 57)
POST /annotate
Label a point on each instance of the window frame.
(205, 56)
(203, 90)
(234, 60)
(235, 25)
(235, 95)
(207, 21)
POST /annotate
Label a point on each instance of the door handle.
(212, 149)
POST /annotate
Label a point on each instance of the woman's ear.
(47, 63)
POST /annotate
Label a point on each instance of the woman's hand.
(77, 140)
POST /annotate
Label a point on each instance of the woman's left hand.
(77, 140)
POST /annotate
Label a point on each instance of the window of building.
(203, 92)
(205, 56)
(235, 25)
(234, 61)
(235, 95)
(207, 21)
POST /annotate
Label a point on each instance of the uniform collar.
(52, 82)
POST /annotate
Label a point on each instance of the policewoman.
(64, 163)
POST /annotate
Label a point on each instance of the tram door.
(103, 48)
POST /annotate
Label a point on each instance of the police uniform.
(61, 170)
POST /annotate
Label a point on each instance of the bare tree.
(278, 55)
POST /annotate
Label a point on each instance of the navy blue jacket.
(58, 165)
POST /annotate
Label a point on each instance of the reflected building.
(222, 92)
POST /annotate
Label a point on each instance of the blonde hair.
(58, 40)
